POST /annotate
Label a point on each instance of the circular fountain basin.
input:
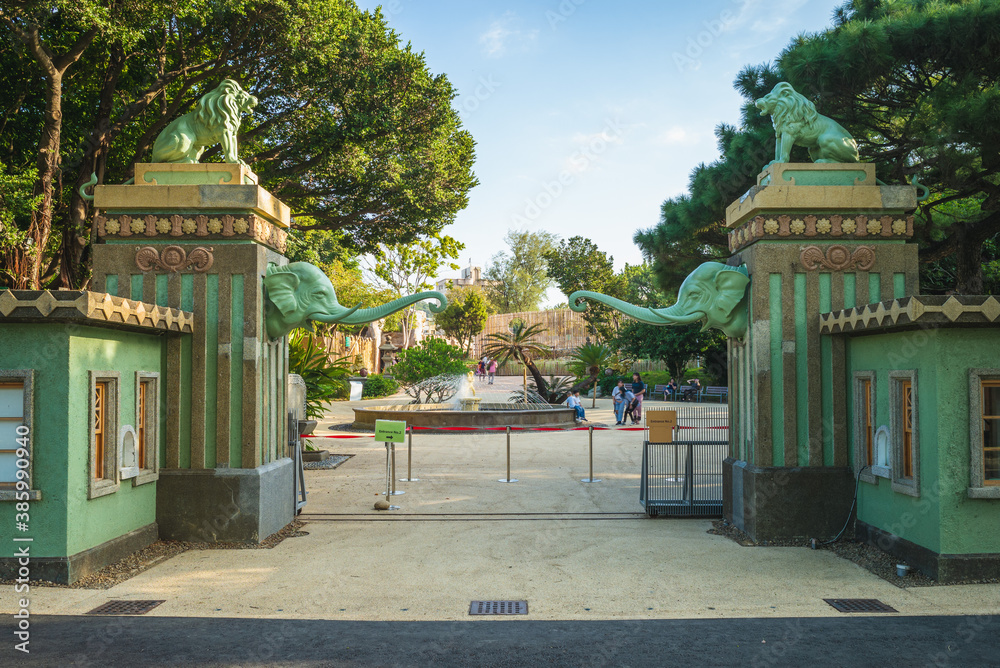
(488, 415)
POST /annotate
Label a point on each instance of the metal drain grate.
(125, 608)
(859, 605)
(498, 608)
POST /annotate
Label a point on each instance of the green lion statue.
(215, 120)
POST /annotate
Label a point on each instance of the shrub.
(379, 386)
(704, 377)
(325, 379)
(432, 358)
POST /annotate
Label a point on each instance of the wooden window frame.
(109, 481)
(147, 426)
(864, 434)
(26, 378)
(905, 470)
(979, 487)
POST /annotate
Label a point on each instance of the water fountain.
(455, 401)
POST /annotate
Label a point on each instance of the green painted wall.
(974, 524)
(95, 521)
(942, 518)
(47, 354)
(64, 522)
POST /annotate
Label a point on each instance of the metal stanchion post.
(388, 476)
(392, 475)
(508, 478)
(409, 459)
(591, 478)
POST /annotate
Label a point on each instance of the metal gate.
(684, 478)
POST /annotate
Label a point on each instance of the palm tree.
(588, 360)
(519, 346)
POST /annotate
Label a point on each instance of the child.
(618, 395)
(631, 403)
(573, 401)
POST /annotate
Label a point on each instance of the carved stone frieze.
(820, 226)
(174, 258)
(837, 258)
(222, 226)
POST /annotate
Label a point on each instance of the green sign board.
(390, 431)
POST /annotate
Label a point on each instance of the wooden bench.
(715, 391)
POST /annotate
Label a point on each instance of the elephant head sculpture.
(713, 294)
(299, 292)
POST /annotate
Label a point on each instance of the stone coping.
(192, 199)
(820, 226)
(207, 173)
(919, 311)
(815, 173)
(84, 307)
(433, 416)
(786, 198)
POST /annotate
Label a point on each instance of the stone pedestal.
(199, 238)
(815, 238)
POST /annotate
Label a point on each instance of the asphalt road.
(842, 641)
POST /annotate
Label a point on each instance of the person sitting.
(573, 401)
(693, 389)
(672, 389)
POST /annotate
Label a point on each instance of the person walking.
(573, 401)
(492, 370)
(618, 396)
(639, 390)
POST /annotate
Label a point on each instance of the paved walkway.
(575, 551)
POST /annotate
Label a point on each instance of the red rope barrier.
(413, 428)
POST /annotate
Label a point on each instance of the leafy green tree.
(407, 268)
(577, 264)
(17, 206)
(465, 316)
(675, 345)
(518, 281)
(353, 131)
(589, 360)
(49, 38)
(930, 111)
(432, 357)
(519, 345)
(916, 83)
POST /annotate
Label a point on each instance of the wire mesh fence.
(684, 478)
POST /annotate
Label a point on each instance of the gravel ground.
(160, 551)
(867, 556)
(331, 462)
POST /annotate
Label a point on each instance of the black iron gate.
(684, 478)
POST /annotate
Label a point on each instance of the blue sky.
(588, 114)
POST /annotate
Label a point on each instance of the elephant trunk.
(676, 315)
(668, 316)
(362, 316)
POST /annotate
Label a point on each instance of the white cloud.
(678, 136)
(506, 34)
